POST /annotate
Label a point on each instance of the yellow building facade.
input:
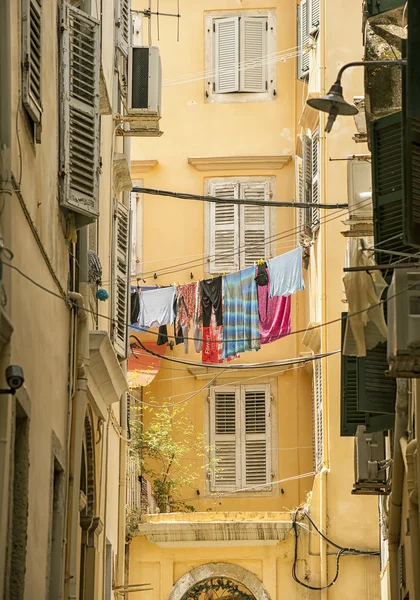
(221, 128)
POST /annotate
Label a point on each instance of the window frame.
(208, 182)
(271, 47)
(270, 384)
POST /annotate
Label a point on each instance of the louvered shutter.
(255, 469)
(303, 40)
(32, 40)
(226, 55)
(315, 168)
(120, 277)
(225, 438)
(224, 229)
(376, 394)
(412, 180)
(318, 415)
(253, 51)
(124, 26)
(254, 224)
(80, 121)
(299, 197)
(307, 182)
(315, 14)
(375, 7)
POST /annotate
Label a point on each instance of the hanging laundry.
(212, 319)
(134, 306)
(156, 307)
(186, 295)
(198, 322)
(286, 276)
(241, 330)
(274, 313)
(364, 289)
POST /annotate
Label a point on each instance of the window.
(79, 118)
(32, 39)
(237, 47)
(308, 185)
(120, 277)
(240, 437)
(318, 417)
(123, 25)
(237, 235)
(308, 21)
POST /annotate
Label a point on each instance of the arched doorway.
(218, 581)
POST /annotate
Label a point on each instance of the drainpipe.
(77, 425)
(395, 499)
(409, 452)
(5, 197)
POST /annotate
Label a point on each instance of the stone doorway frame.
(210, 570)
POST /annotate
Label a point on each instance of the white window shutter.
(315, 166)
(224, 229)
(123, 25)
(318, 424)
(32, 40)
(256, 468)
(303, 40)
(226, 55)
(120, 277)
(315, 18)
(80, 121)
(133, 242)
(253, 54)
(254, 224)
(224, 438)
(307, 182)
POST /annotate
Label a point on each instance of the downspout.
(6, 227)
(323, 496)
(77, 425)
(395, 499)
(409, 451)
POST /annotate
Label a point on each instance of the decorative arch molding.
(210, 570)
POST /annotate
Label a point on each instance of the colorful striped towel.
(241, 331)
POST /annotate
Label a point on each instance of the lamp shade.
(333, 102)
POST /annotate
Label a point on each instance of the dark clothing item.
(211, 296)
(163, 335)
(134, 307)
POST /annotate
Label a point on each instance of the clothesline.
(230, 314)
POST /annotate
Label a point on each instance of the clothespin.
(191, 275)
(261, 261)
(223, 273)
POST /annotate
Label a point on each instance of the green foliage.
(132, 522)
(162, 449)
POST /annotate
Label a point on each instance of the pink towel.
(274, 316)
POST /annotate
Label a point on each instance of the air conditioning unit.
(404, 323)
(144, 98)
(359, 192)
(370, 465)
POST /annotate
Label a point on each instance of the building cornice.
(235, 163)
(138, 167)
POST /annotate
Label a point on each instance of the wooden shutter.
(80, 121)
(120, 277)
(254, 224)
(32, 40)
(225, 438)
(351, 416)
(376, 7)
(315, 19)
(315, 168)
(124, 26)
(376, 394)
(224, 229)
(318, 416)
(226, 55)
(303, 40)
(255, 449)
(411, 139)
(387, 186)
(253, 54)
(307, 182)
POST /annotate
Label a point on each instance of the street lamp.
(333, 103)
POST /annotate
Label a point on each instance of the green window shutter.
(79, 114)
(412, 181)
(376, 394)
(376, 7)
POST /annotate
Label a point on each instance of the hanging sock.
(286, 275)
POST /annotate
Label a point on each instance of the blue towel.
(241, 331)
(286, 275)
